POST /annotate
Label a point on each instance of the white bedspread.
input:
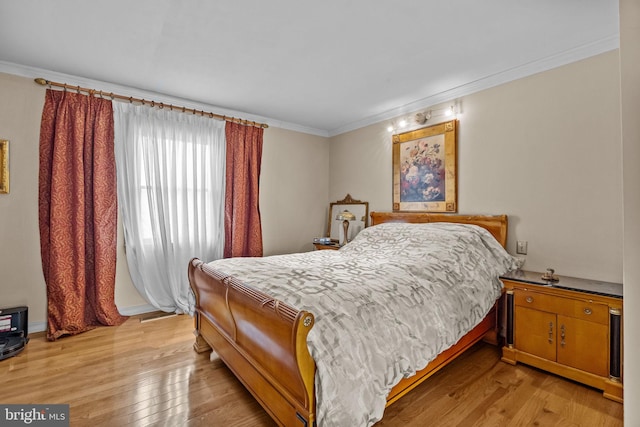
(385, 305)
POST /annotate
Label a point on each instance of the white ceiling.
(324, 67)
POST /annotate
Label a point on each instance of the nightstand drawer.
(579, 309)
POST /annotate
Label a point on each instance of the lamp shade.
(345, 215)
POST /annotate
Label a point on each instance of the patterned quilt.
(385, 305)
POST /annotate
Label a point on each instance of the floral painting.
(424, 169)
(422, 173)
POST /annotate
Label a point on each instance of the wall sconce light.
(423, 117)
(449, 111)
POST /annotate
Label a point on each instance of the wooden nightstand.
(331, 246)
(572, 328)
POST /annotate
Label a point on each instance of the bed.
(247, 312)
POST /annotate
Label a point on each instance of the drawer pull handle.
(587, 311)
(562, 343)
(529, 300)
(550, 332)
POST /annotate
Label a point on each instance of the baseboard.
(138, 309)
(37, 327)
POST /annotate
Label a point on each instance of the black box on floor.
(14, 333)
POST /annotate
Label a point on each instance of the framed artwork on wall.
(424, 169)
(4, 166)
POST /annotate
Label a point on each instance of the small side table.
(571, 327)
(329, 246)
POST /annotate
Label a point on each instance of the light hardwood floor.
(146, 373)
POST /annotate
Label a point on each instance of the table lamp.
(345, 216)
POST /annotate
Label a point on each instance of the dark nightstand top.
(572, 283)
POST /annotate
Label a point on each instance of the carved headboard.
(495, 224)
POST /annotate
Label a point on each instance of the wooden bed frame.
(264, 341)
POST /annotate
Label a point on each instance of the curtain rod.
(93, 92)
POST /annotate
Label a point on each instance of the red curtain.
(242, 228)
(78, 212)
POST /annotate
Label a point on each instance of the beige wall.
(21, 281)
(544, 149)
(294, 190)
(630, 101)
(293, 198)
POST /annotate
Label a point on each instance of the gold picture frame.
(425, 169)
(4, 166)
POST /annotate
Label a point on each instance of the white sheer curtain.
(171, 172)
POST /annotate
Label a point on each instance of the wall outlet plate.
(521, 247)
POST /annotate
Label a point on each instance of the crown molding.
(33, 72)
(544, 64)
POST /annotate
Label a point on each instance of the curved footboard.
(262, 340)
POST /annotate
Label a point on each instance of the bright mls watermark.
(34, 415)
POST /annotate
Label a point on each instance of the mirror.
(335, 229)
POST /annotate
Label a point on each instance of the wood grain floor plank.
(147, 374)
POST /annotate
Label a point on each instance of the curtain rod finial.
(41, 81)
